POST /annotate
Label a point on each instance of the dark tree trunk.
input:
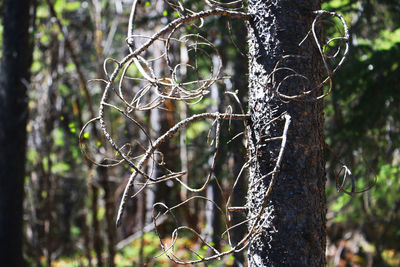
(15, 64)
(109, 216)
(96, 233)
(293, 233)
(240, 84)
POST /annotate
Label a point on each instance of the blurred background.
(70, 203)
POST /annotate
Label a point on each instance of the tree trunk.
(293, 231)
(239, 84)
(15, 64)
(109, 204)
(213, 216)
(96, 233)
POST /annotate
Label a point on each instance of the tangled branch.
(151, 91)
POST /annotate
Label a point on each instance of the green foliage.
(60, 168)
(58, 135)
(42, 12)
(361, 123)
(129, 254)
(32, 156)
(61, 6)
(196, 128)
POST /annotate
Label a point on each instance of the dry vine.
(151, 92)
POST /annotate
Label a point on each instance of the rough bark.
(15, 64)
(293, 232)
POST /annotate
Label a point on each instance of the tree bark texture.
(15, 64)
(293, 231)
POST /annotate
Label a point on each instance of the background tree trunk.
(15, 64)
(239, 84)
(213, 216)
(293, 232)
